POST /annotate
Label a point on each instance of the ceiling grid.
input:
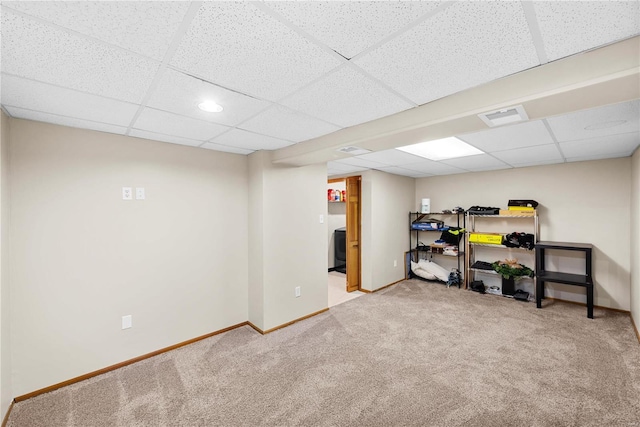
(305, 78)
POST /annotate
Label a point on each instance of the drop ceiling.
(304, 78)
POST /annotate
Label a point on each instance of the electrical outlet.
(127, 194)
(127, 322)
(297, 291)
(139, 193)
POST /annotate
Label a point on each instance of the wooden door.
(353, 233)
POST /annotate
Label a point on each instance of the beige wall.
(6, 389)
(386, 202)
(295, 242)
(635, 238)
(257, 162)
(82, 257)
(579, 202)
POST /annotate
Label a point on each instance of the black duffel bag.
(483, 210)
(452, 235)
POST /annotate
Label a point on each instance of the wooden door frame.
(359, 222)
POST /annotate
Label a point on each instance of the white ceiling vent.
(354, 151)
(504, 116)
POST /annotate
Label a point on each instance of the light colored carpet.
(338, 289)
(415, 353)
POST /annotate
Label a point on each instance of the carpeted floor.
(416, 353)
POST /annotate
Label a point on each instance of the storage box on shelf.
(486, 238)
(426, 228)
(484, 243)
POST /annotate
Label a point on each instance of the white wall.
(336, 218)
(386, 202)
(6, 389)
(295, 242)
(579, 202)
(635, 238)
(82, 257)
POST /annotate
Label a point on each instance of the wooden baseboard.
(125, 363)
(366, 291)
(390, 284)
(260, 331)
(583, 304)
(284, 325)
(635, 327)
(6, 416)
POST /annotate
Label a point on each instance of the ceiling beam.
(603, 76)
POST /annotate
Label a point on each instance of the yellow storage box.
(486, 238)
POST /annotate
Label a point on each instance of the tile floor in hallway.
(338, 289)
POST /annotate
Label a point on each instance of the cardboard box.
(485, 238)
(504, 212)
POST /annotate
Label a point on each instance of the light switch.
(139, 193)
(127, 322)
(321, 219)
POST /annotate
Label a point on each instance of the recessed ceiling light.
(605, 125)
(210, 107)
(504, 116)
(441, 149)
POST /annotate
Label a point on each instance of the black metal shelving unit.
(430, 249)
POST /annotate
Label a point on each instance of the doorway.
(344, 229)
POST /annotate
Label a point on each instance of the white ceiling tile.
(21, 113)
(467, 44)
(32, 95)
(508, 137)
(350, 27)
(164, 138)
(480, 162)
(433, 168)
(284, 123)
(355, 161)
(569, 27)
(344, 168)
(623, 144)
(40, 52)
(530, 155)
(144, 27)
(236, 45)
(391, 157)
(174, 125)
(404, 172)
(250, 141)
(572, 126)
(181, 94)
(347, 97)
(226, 148)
